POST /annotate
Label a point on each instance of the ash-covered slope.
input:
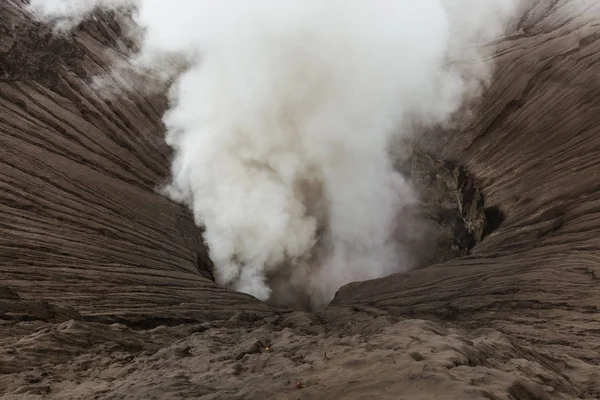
(84, 230)
(535, 147)
(82, 224)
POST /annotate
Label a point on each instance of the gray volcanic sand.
(377, 358)
(105, 289)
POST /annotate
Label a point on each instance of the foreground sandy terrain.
(375, 358)
(103, 298)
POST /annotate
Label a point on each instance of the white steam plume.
(281, 123)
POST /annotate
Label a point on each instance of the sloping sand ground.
(377, 358)
(103, 299)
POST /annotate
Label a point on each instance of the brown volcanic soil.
(105, 288)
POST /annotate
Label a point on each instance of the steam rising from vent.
(281, 121)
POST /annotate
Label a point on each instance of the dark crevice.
(493, 219)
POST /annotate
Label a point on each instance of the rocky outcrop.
(451, 203)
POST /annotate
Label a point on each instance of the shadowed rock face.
(451, 206)
(84, 236)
